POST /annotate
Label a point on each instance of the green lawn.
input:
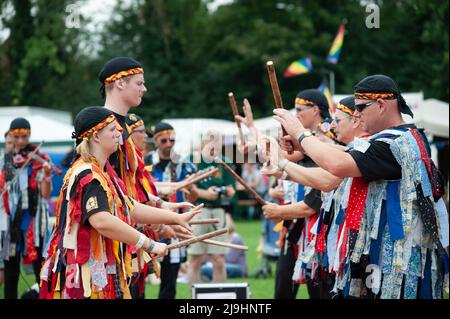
(261, 288)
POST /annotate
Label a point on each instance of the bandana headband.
(122, 74)
(374, 96)
(18, 131)
(99, 126)
(304, 102)
(345, 109)
(138, 123)
(162, 132)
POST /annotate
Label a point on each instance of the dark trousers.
(12, 273)
(285, 288)
(169, 274)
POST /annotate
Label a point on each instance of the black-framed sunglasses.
(165, 140)
(360, 107)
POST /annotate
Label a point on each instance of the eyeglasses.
(361, 107)
(165, 140)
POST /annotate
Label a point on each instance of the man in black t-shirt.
(372, 160)
(123, 87)
(379, 104)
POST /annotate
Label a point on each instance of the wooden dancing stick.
(204, 221)
(268, 152)
(235, 112)
(276, 91)
(196, 239)
(216, 243)
(195, 178)
(258, 198)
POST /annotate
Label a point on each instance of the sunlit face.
(306, 114)
(165, 143)
(343, 125)
(134, 90)
(368, 114)
(139, 137)
(21, 140)
(108, 138)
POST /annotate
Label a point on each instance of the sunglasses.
(362, 106)
(165, 140)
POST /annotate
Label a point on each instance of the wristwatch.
(304, 135)
(150, 248)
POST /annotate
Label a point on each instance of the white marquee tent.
(430, 114)
(51, 126)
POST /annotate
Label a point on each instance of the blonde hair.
(110, 86)
(83, 150)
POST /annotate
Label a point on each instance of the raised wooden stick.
(235, 112)
(216, 243)
(258, 198)
(196, 178)
(276, 90)
(204, 221)
(196, 239)
(268, 152)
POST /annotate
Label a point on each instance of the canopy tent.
(51, 126)
(430, 114)
(433, 116)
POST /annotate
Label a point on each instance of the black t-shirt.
(163, 164)
(114, 159)
(313, 199)
(378, 162)
(93, 200)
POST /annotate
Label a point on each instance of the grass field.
(261, 288)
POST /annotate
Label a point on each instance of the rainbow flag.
(298, 67)
(335, 50)
(326, 91)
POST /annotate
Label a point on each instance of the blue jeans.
(233, 270)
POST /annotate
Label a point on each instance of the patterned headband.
(134, 125)
(304, 102)
(345, 109)
(99, 126)
(375, 96)
(122, 74)
(18, 131)
(163, 132)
